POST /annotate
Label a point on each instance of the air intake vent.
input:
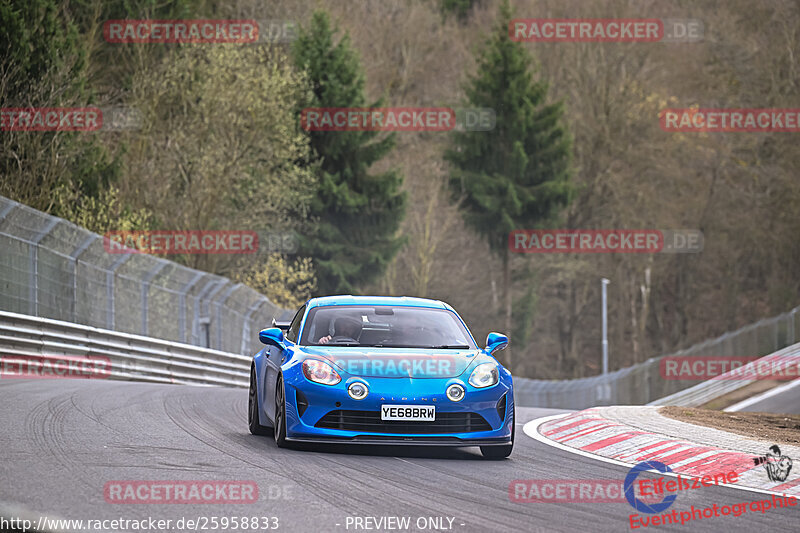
(370, 421)
(302, 403)
(501, 407)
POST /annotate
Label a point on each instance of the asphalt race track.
(62, 440)
(787, 401)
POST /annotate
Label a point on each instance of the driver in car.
(345, 329)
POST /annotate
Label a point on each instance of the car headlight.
(484, 375)
(320, 372)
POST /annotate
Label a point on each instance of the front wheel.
(280, 415)
(501, 452)
(252, 408)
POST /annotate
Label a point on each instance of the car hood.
(397, 362)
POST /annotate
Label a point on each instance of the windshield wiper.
(340, 344)
(382, 345)
(415, 346)
(450, 347)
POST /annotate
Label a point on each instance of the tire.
(501, 452)
(280, 415)
(252, 408)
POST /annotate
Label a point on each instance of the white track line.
(763, 396)
(531, 429)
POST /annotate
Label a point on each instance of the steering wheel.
(340, 338)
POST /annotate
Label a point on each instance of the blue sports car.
(381, 370)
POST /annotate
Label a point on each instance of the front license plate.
(416, 413)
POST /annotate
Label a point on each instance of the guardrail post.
(775, 339)
(7, 209)
(207, 306)
(182, 304)
(224, 298)
(34, 266)
(145, 288)
(111, 317)
(75, 257)
(201, 296)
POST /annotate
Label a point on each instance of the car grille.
(371, 421)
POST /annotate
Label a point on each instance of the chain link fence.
(54, 269)
(642, 383)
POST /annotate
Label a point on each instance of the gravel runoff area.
(765, 426)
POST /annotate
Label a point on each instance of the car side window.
(294, 328)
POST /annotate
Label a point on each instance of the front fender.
(260, 366)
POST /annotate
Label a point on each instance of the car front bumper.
(483, 418)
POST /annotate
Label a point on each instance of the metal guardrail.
(139, 358)
(703, 393)
(132, 357)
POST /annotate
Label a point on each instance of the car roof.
(348, 299)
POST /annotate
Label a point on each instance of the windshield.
(385, 326)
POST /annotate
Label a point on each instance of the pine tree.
(357, 214)
(515, 176)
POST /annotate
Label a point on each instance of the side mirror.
(496, 342)
(273, 336)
